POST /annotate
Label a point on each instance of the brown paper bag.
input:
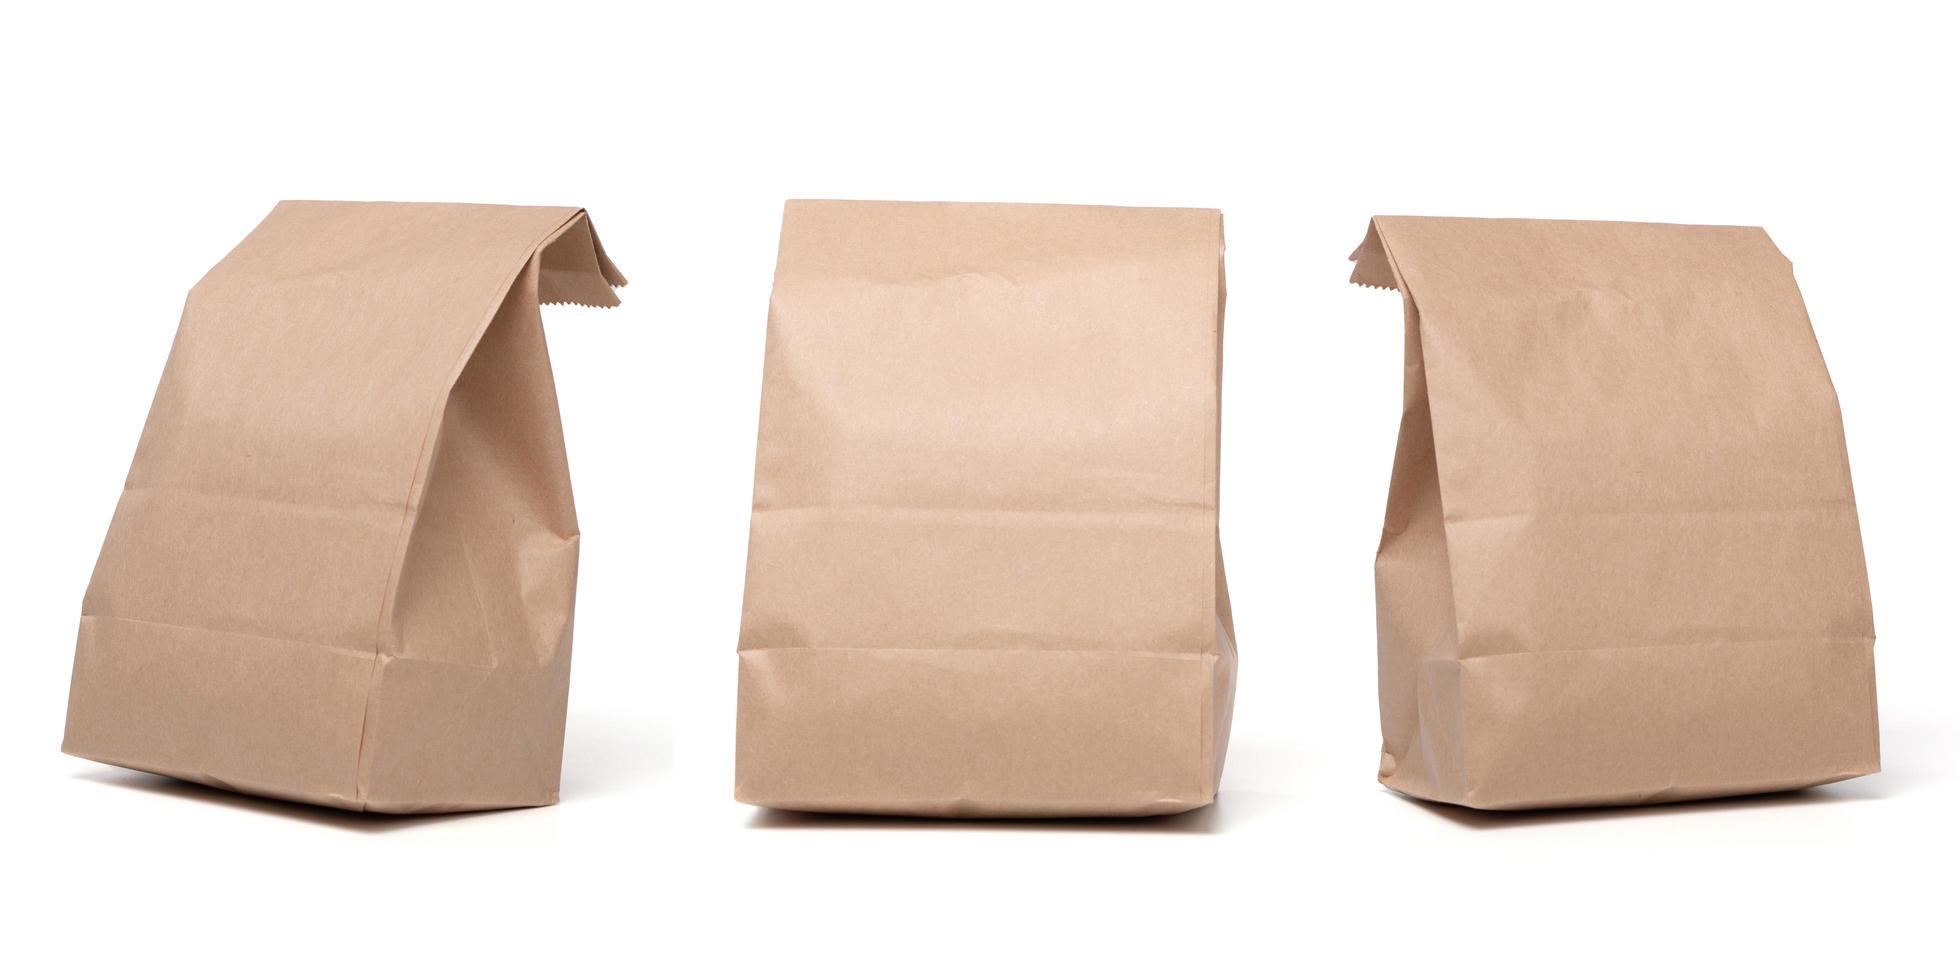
(342, 567)
(983, 574)
(1621, 560)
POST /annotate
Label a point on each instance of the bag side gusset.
(1417, 652)
(467, 702)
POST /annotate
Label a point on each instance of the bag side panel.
(468, 709)
(1225, 667)
(1224, 680)
(1415, 613)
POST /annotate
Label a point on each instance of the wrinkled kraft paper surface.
(342, 568)
(1621, 560)
(983, 573)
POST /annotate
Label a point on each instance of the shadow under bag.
(1621, 559)
(983, 572)
(343, 564)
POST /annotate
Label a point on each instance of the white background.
(141, 144)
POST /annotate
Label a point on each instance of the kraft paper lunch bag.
(342, 568)
(983, 573)
(1621, 560)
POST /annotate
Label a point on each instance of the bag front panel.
(988, 425)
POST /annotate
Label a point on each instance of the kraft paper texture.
(984, 575)
(1621, 560)
(342, 568)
